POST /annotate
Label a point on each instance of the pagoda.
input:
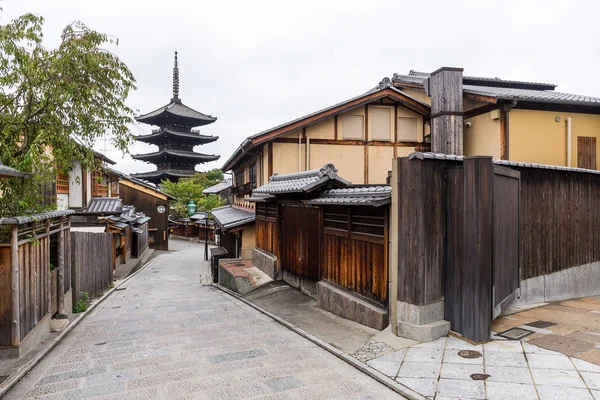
(175, 138)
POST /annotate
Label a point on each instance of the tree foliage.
(191, 188)
(55, 103)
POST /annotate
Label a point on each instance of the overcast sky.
(256, 64)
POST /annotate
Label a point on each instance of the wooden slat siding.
(476, 271)
(558, 220)
(421, 236)
(300, 241)
(92, 263)
(5, 296)
(270, 160)
(148, 204)
(54, 292)
(503, 135)
(586, 152)
(506, 193)
(267, 232)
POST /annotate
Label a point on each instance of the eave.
(188, 136)
(168, 154)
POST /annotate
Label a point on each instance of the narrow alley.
(164, 335)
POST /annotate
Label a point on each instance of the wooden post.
(446, 90)
(14, 280)
(394, 238)
(61, 272)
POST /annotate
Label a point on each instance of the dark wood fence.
(300, 241)
(92, 263)
(140, 241)
(267, 232)
(355, 253)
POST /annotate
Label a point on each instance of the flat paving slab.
(166, 336)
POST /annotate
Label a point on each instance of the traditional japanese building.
(175, 138)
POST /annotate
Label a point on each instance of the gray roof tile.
(104, 205)
(7, 172)
(302, 182)
(375, 195)
(229, 216)
(218, 188)
(35, 217)
(177, 109)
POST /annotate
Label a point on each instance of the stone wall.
(266, 262)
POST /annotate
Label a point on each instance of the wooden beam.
(393, 256)
(14, 281)
(366, 149)
(481, 98)
(503, 136)
(480, 110)
(335, 127)
(348, 142)
(366, 178)
(270, 159)
(395, 126)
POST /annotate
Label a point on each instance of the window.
(381, 127)
(239, 178)
(353, 127)
(62, 183)
(407, 129)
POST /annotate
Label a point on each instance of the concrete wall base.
(423, 323)
(572, 283)
(32, 339)
(351, 306)
(305, 285)
(423, 333)
(266, 262)
(69, 303)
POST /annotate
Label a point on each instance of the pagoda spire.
(176, 82)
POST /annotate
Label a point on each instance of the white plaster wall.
(62, 201)
(89, 186)
(75, 186)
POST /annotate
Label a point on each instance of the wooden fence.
(92, 263)
(267, 232)
(25, 285)
(355, 250)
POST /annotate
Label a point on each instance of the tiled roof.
(229, 216)
(219, 187)
(191, 136)
(302, 182)
(111, 205)
(177, 154)
(375, 195)
(8, 172)
(502, 89)
(177, 109)
(159, 175)
(199, 215)
(35, 217)
(504, 163)
(261, 198)
(138, 181)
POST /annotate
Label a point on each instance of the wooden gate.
(507, 189)
(300, 250)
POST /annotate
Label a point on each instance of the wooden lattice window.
(62, 183)
(363, 223)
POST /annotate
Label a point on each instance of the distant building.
(222, 189)
(175, 138)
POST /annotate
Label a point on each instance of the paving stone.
(397, 356)
(505, 359)
(585, 366)
(460, 371)
(555, 377)
(459, 344)
(550, 361)
(436, 344)
(42, 390)
(461, 389)
(560, 393)
(592, 379)
(451, 356)
(509, 391)
(425, 387)
(411, 369)
(283, 383)
(389, 368)
(511, 346)
(532, 349)
(563, 344)
(508, 374)
(424, 355)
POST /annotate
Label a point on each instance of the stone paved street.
(167, 336)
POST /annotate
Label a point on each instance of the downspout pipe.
(569, 135)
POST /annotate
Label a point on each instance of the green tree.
(54, 104)
(191, 188)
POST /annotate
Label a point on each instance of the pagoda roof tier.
(176, 113)
(157, 176)
(193, 137)
(177, 155)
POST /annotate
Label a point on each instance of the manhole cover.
(541, 324)
(515, 333)
(469, 354)
(3, 378)
(479, 377)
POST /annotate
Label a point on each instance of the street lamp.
(206, 239)
(191, 207)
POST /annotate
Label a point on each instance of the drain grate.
(515, 333)
(480, 377)
(469, 354)
(540, 324)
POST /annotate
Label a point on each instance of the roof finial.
(176, 80)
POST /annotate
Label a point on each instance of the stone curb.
(13, 379)
(362, 367)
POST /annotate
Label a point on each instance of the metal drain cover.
(479, 377)
(469, 354)
(515, 333)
